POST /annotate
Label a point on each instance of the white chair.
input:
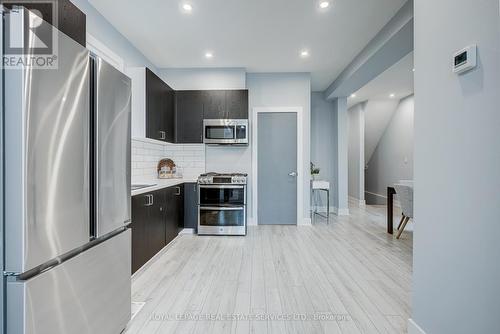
(405, 196)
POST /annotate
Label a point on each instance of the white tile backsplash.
(146, 154)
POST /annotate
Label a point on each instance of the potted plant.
(314, 171)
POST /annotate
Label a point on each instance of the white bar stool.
(320, 185)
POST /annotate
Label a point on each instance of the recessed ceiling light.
(353, 95)
(304, 53)
(413, 70)
(188, 8)
(209, 55)
(392, 96)
(324, 4)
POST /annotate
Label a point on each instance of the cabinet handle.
(177, 191)
(162, 135)
(150, 200)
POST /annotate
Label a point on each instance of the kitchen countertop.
(160, 184)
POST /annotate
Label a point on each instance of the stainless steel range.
(222, 204)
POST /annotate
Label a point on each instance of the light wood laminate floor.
(345, 277)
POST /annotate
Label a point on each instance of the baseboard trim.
(343, 212)
(322, 209)
(396, 201)
(151, 260)
(251, 221)
(306, 222)
(413, 328)
(375, 194)
(358, 202)
(187, 231)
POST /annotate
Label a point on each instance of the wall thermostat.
(465, 59)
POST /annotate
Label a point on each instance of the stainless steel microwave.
(225, 131)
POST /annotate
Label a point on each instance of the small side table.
(319, 185)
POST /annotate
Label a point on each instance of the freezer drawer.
(112, 118)
(46, 156)
(89, 294)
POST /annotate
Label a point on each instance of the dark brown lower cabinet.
(175, 211)
(191, 206)
(156, 217)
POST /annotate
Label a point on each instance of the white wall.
(146, 153)
(456, 280)
(392, 159)
(356, 153)
(285, 90)
(323, 139)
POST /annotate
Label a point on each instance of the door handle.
(177, 191)
(162, 135)
(293, 174)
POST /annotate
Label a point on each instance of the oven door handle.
(222, 186)
(222, 208)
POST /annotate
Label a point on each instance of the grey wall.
(392, 159)
(106, 33)
(356, 116)
(286, 90)
(341, 187)
(378, 114)
(456, 273)
(323, 142)
(204, 78)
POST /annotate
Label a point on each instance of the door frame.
(255, 155)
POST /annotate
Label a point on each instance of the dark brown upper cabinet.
(225, 104)
(160, 109)
(237, 104)
(214, 104)
(189, 116)
(66, 17)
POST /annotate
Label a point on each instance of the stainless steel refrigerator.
(67, 264)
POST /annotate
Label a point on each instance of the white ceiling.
(259, 35)
(397, 80)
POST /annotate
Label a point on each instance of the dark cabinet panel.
(189, 117)
(214, 104)
(155, 100)
(237, 104)
(70, 20)
(191, 206)
(140, 217)
(160, 109)
(175, 211)
(225, 104)
(156, 218)
(169, 116)
(148, 226)
(155, 225)
(192, 106)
